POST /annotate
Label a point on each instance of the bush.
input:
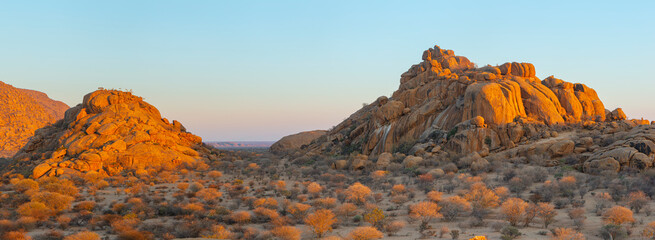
(365, 233)
(86, 235)
(618, 215)
(509, 233)
(321, 221)
(286, 232)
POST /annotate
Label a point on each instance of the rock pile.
(109, 132)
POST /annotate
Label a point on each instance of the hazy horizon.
(258, 71)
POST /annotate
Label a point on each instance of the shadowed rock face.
(109, 132)
(23, 111)
(445, 90)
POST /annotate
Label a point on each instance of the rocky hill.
(23, 111)
(109, 132)
(295, 141)
(445, 106)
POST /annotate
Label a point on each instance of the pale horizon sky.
(261, 70)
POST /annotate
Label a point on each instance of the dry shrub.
(314, 188)
(394, 226)
(618, 215)
(85, 205)
(267, 213)
(637, 200)
(56, 202)
(286, 233)
(214, 174)
(482, 196)
(649, 230)
(59, 185)
(209, 195)
(454, 206)
(86, 235)
(346, 210)
(219, 232)
(298, 210)
(36, 210)
(425, 212)
(183, 186)
(434, 196)
(567, 234)
(513, 210)
(358, 193)
(25, 185)
(365, 233)
(321, 221)
(63, 221)
(326, 203)
(398, 189)
(240, 217)
(16, 235)
(547, 213)
(266, 202)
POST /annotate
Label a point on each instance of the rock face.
(445, 90)
(295, 141)
(109, 132)
(22, 112)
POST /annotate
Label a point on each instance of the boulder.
(616, 115)
(597, 166)
(412, 161)
(384, 160)
(561, 148)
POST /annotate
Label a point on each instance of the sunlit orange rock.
(109, 132)
(23, 111)
(441, 95)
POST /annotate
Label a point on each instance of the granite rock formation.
(109, 132)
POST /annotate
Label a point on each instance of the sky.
(260, 70)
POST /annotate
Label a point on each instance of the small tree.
(482, 199)
(530, 213)
(453, 207)
(375, 217)
(637, 200)
(513, 209)
(358, 193)
(425, 212)
(547, 213)
(314, 189)
(321, 221)
(618, 215)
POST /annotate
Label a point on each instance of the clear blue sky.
(259, 70)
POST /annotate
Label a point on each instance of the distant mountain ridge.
(241, 144)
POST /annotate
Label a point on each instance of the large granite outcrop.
(109, 132)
